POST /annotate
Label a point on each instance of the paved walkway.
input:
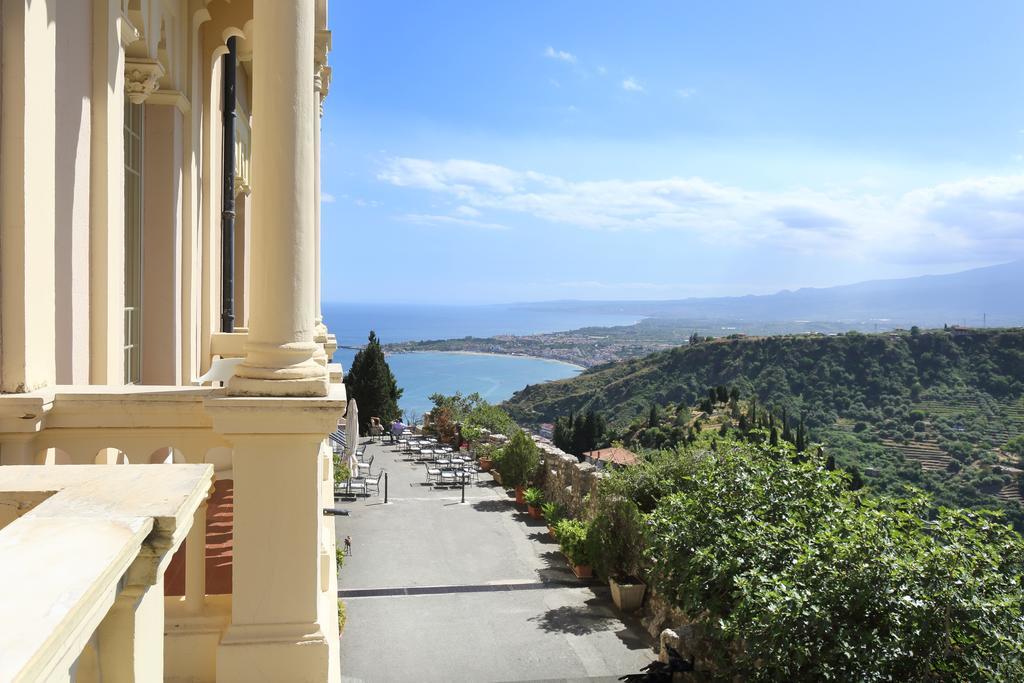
(436, 590)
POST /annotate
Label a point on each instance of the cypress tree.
(372, 384)
(856, 481)
(773, 437)
(830, 462)
(652, 416)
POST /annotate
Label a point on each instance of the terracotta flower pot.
(534, 511)
(551, 532)
(520, 497)
(628, 596)
(582, 571)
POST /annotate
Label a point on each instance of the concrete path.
(437, 590)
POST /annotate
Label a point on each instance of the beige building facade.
(112, 283)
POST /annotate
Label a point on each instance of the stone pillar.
(195, 562)
(27, 180)
(278, 610)
(131, 636)
(281, 356)
(106, 196)
(161, 243)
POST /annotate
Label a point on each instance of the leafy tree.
(371, 382)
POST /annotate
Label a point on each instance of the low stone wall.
(568, 482)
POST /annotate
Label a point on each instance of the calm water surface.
(496, 378)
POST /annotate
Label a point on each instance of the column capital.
(141, 78)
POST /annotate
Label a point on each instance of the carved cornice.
(141, 78)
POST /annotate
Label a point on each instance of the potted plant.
(519, 461)
(496, 457)
(486, 456)
(616, 543)
(572, 537)
(534, 498)
(551, 514)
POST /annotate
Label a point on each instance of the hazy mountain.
(995, 292)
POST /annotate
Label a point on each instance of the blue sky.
(478, 152)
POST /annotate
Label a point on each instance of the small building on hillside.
(610, 457)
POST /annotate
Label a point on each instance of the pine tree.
(372, 384)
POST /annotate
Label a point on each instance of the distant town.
(592, 346)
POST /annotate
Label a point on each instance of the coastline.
(491, 353)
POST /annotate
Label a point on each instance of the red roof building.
(615, 457)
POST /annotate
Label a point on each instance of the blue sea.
(495, 378)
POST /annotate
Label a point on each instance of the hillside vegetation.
(939, 409)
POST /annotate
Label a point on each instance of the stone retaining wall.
(570, 483)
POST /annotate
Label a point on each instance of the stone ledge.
(64, 562)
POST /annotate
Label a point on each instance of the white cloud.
(326, 198)
(435, 219)
(601, 71)
(468, 211)
(974, 219)
(632, 85)
(685, 93)
(560, 55)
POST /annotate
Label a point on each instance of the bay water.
(494, 377)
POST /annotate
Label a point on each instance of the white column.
(27, 179)
(106, 214)
(281, 354)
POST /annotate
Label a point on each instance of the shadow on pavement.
(542, 537)
(493, 505)
(578, 621)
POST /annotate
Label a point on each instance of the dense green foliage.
(472, 412)
(371, 383)
(615, 537)
(883, 405)
(572, 538)
(519, 460)
(580, 433)
(796, 577)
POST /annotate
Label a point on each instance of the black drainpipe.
(227, 214)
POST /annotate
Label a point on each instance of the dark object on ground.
(658, 672)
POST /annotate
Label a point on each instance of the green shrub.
(533, 496)
(572, 537)
(615, 538)
(798, 578)
(341, 471)
(519, 460)
(552, 513)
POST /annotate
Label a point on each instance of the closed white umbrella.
(352, 436)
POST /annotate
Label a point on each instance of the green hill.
(934, 408)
